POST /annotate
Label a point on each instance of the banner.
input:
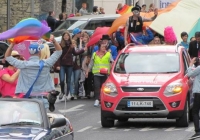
(165, 3)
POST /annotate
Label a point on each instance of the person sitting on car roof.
(109, 47)
(8, 78)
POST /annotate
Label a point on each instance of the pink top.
(7, 89)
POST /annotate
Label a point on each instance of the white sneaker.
(96, 103)
(69, 97)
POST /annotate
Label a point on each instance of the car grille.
(138, 89)
(157, 104)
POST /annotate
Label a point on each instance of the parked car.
(87, 23)
(148, 82)
(27, 119)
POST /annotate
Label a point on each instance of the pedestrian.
(66, 62)
(184, 42)
(119, 8)
(51, 21)
(151, 7)
(100, 59)
(194, 46)
(8, 78)
(95, 10)
(101, 10)
(29, 71)
(109, 46)
(60, 21)
(83, 10)
(144, 8)
(195, 73)
(134, 24)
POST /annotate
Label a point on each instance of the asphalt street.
(85, 119)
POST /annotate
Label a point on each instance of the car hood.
(143, 79)
(25, 133)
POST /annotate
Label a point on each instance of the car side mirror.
(104, 71)
(58, 122)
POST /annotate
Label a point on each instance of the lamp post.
(8, 14)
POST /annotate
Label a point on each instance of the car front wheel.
(105, 122)
(183, 121)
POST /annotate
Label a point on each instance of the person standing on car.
(195, 73)
(134, 24)
(100, 59)
(194, 46)
(29, 70)
(51, 21)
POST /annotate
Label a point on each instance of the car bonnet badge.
(140, 89)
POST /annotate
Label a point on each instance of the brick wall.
(21, 9)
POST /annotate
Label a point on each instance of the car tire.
(183, 121)
(105, 122)
(123, 119)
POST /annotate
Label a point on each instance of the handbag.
(38, 74)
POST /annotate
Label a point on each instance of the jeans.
(195, 109)
(88, 84)
(98, 81)
(65, 70)
(75, 82)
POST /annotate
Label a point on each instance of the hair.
(86, 35)
(62, 43)
(101, 8)
(74, 41)
(169, 35)
(183, 34)
(45, 52)
(197, 34)
(95, 9)
(60, 16)
(151, 5)
(119, 6)
(144, 5)
(50, 12)
(191, 38)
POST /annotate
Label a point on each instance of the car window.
(108, 23)
(93, 24)
(186, 65)
(78, 24)
(20, 111)
(148, 63)
(66, 24)
(3, 48)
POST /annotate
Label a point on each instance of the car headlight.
(173, 88)
(109, 89)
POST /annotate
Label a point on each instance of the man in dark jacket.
(194, 46)
(51, 20)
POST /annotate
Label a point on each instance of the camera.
(197, 62)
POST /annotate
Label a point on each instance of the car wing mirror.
(104, 71)
(58, 122)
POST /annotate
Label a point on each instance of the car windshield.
(20, 112)
(147, 63)
(71, 24)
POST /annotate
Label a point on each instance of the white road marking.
(172, 129)
(95, 128)
(113, 128)
(148, 129)
(191, 128)
(86, 128)
(75, 108)
(127, 129)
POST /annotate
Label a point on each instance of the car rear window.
(147, 63)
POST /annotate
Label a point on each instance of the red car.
(148, 82)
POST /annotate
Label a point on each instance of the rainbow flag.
(125, 9)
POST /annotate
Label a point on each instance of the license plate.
(140, 103)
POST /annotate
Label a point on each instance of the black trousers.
(89, 84)
(196, 108)
(98, 81)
